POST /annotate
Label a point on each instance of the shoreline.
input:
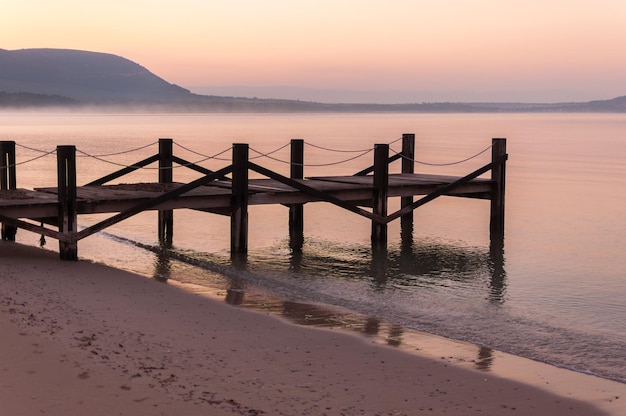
(180, 349)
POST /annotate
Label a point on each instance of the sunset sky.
(355, 50)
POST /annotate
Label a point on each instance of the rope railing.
(122, 165)
(334, 150)
(24, 162)
(260, 155)
(206, 157)
(33, 149)
(182, 165)
(443, 164)
(123, 152)
(287, 162)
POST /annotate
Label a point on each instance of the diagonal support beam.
(151, 203)
(445, 189)
(314, 192)
(35, 228)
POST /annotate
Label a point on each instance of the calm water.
(555, 293)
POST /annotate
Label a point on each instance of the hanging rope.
(334, 150)
(362, 152)
(31, 160)
(269, 153)
(85, 154)
(341, 161)
(112, 163)
(444, 164)
(34, 149)
(286, 162)
(203, 155)
(345, 151)
(124, 151)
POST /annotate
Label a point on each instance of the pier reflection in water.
(411, 267)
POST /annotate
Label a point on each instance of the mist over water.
(554, 292)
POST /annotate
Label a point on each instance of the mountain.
(72, 78)
(82, 76)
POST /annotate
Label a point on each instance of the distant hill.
(71, 78)
(82, 76)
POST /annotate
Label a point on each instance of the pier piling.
(296, 211)
(498, 176)
(66, 174)
(239, 201)
(408, 166)
(166, 175)
(8, 181)
(379, 193)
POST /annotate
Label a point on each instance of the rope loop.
(260, 154)
(341, 161)
(287, 162)
(25, 162)
(206, 157)
(444, 164)
(34, 158)
(100, 159)
(32, 149)
(123, 151)
(334, 150)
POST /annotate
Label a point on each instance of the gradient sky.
(391, 50)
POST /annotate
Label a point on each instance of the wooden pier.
(230, 190)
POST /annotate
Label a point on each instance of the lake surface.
(555, 293)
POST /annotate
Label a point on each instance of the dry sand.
(85, 339)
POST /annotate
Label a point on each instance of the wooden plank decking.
(43, 203)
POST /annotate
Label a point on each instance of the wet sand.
(83, 338)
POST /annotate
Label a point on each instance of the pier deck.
(43, 202)
(230, 190)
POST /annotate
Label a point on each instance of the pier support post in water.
(66, 176)
(8, 180)
(166, 175)
(498, 175)
(239, 202)
(296, 211)
(408, 166)
(379, 194)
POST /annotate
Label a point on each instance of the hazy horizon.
(344, 96)
(350, 51)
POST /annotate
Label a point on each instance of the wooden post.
(296, 211)
(497, 285)
(8, 180)
(379, 194)
(408, 166)
(66, 176)
(166, 175)
(239, 201)
(498, 175)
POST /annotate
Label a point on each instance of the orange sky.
(529, 50)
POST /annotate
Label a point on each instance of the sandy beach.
(82, 338)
